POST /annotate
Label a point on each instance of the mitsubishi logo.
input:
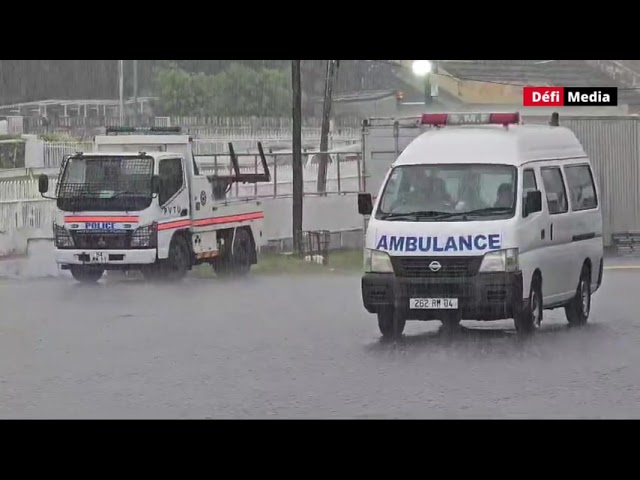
(102, 243)
(435, 266)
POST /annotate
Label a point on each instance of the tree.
(177, 91)
(237, 91)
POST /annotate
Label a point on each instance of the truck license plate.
(98, 257)
(434, 303)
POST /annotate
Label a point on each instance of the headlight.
(145, 237)
(500, 261)
(376, 261)
(62, 237)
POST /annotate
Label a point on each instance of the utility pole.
(332, 66)
(297, 156)
(135, 93)
(121, 90)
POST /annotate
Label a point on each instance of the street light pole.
(427, 89)
(121, 89)
(423, 68)
(135, 93)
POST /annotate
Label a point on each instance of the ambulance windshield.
(464, 192)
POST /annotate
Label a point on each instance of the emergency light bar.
(439, 119)
(150, 130)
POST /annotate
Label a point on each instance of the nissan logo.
(435, 266)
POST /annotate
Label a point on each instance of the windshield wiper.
(488, 211)
(417, 214)
(118, 194)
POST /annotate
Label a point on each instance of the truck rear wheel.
(237, 260)
(86, 273)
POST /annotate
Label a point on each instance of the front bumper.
(484, 296)
(114, 259)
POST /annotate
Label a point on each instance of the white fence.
(54, 152)
(22, 207)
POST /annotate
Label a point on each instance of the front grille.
(436, 290)
(101, 241)
(418, 267)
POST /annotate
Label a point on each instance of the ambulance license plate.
(98, 257)
(433, 303)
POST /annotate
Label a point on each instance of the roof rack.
(143, 130)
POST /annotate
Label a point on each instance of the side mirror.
(532, 202)
(43, 184)
(365, 204)
(155, 184)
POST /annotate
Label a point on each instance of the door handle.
(551, 232)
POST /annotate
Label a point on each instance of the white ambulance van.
(483, 218)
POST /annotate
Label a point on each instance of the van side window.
(529, 181)
(171, 179)
(581, 187)
(555, 190)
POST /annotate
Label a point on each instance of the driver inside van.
(504, 197)
(423, 192)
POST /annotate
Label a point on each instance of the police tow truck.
(139, 202)
(484, 218)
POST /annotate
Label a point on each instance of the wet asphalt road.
(300, 348)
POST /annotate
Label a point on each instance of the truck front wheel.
(174, 268)
(86, 273)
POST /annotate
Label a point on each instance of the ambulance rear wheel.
(577, 311)
(237, 260)
(86, 273)
(391, 323)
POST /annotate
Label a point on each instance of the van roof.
(492, 144)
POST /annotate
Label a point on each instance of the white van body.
(485, 265)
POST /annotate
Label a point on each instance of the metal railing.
(344, 173)
(23, 208)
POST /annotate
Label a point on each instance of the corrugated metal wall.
(612, 144)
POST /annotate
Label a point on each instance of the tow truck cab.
(139, 202)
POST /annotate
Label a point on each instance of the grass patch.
(11, 137)
(58, 137)
(340, 261)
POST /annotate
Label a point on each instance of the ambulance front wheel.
(391, 323)
(86, 273)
